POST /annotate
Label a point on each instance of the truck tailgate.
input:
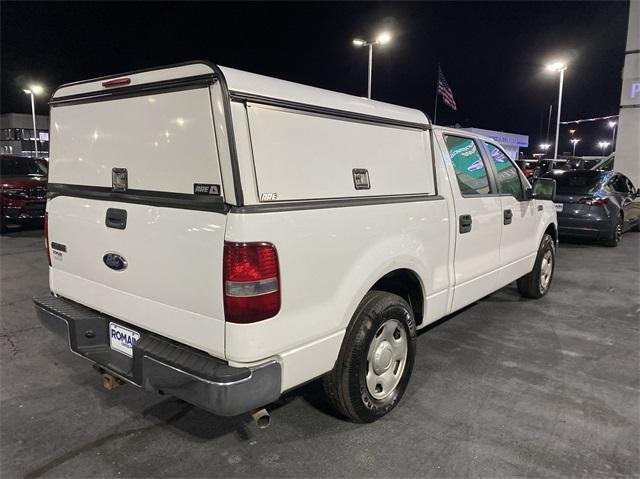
(137, 177)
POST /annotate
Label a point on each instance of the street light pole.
(555, 154)
(575, 142)
(558, 67)
(33, 117)
(603, 145)
(613, 125)
(31, 91)
(370, 70)
(383, 38)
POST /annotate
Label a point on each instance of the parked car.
(545, 166)
(224, 237)
(24, 190)
(596, 204)
(528, 167)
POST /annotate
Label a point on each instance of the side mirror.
(543, 189)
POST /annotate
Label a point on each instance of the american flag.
(444, 90)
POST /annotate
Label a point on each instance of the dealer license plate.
(122, 339)
(559, 206)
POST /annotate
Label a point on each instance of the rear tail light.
(594, 201)
(251, 282)
(46, 237)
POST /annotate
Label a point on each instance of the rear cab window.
(467, 162)
(569, 183)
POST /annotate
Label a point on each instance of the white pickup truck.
(224, 237)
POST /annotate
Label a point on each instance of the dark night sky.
(491, 53)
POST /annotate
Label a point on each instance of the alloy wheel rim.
(618, 232)
(386, 359)
(546, 269)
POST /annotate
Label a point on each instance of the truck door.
(479, 220)
(518, 243)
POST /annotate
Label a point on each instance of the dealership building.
(18, 138)
(628, 141)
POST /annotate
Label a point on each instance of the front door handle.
(465, 223)
(508, 215)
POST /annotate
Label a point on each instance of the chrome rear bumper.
(161, 364)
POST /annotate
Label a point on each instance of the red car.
(24, 189)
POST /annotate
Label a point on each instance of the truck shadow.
(580, 243)
(28, 230)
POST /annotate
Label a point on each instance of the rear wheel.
(376, 358)
(616, 233)
(537, 283)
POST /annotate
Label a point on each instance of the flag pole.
(435, 108)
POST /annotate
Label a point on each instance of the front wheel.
(537, 283)
(376, 358)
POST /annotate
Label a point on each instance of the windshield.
(580, 182)
(21, 167)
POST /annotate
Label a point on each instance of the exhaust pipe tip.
(110, 382)
(261, 418)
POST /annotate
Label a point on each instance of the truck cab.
(225, 237)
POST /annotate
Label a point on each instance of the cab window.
(471, 172)
(508, 178)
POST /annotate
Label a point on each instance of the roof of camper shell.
(256, 85)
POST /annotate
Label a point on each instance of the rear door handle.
(465, 223)
(508, 215)
(116, 218)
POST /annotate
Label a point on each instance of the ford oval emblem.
(115, 261)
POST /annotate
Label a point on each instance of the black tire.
(616, 233)
(533, 285)
(346, 385)
(636, 228)
(3, 227)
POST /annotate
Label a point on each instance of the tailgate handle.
(116, 218)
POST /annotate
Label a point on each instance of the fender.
(356, 284)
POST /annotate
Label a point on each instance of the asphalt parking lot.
(507, 387)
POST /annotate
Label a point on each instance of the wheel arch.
(552, 230)
(407, 284)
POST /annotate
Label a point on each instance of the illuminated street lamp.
(612, 125)
(558, 66)
(545, 147)
(603, 145)
(574, 141)
(34, 90)
(382, 39)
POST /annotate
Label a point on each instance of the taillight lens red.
(251, 282)
(116, 82)
(594, 201)
(46, 237)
